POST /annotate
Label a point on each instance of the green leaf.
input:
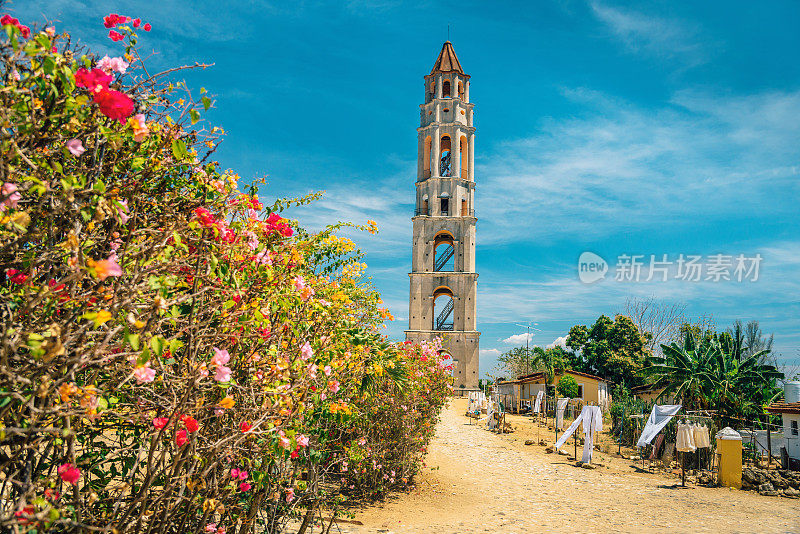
(206, 102)
(157, 344)
(179, 149)
(133, 341)
(195, 115)
(144, 357)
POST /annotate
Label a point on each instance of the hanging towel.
(561, 405)
(685, 439)
(572, 428)
(590, 427)
(538, 404)
(702, 439)
(658, 419)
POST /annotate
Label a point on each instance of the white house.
(790, 412)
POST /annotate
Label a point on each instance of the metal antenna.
(448, 31)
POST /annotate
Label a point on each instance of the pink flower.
(122, 212)
(115, 36)
(243, 474)
(211, 527)
(285, 442)
(302, 440)
(181, 437)
(75, 146)
(312, 370)
(289, 494)
(113, 64)
(305, 351)
(263, 258)
(160, 422)
(223, 374)
(10, 196)
(140, 129)
(234, 473)
(137, 22)
(112, 19)
(114, 105)
(244, 486)
(69, 473)
(144, 373)
(327, 370)
(333, 385)
(147, 27)
(109, 267)
(221, 357)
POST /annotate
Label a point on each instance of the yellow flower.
(103, 316)
(227, 403)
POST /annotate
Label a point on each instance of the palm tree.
(684, 372)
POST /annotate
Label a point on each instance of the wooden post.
(683, 469)
(769, 447)
(575, 443)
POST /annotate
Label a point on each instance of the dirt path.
(481, 482)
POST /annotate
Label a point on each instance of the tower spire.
(447, 60)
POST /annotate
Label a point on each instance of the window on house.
(580, 392)
(794, 428)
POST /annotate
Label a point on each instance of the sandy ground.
(477, 481)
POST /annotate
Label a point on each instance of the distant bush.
(567, 387)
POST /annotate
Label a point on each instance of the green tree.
(615, 350)
(567, 387)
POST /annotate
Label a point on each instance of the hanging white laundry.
(590, 424)
(538, 403)
(702, 439)
(568, 432)
(658, 419)
(561, 406)
(684, 441)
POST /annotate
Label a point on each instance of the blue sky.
(617, 128)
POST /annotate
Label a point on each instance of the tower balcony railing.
(420, 211)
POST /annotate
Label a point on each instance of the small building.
(651, 393)
(591, 389)
(790, 413)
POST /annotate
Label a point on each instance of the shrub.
(567, 387)
(176, 355)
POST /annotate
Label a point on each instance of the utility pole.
(527, 345)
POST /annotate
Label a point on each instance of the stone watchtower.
(443, 277)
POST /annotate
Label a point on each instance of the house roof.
(533, 377)
(784, 407)
(447, 60)
(646, 388)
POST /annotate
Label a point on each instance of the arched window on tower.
(461, 90)
(464, 158)
(443, 252)
(443, 306)
(445, 89)
(424, 209)
(426, 158)
(445, 165)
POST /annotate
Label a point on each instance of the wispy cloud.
(653, 35)
(518, 339)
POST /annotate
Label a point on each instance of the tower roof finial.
(447, 60)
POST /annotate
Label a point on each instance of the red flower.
(191, 423)
(181, 437)
(160, 422)
(114, 105)
(244, 486)
(136, 22)
(24, 514)
(8, 19)
(245, 426)
(295, 453)
(16, 276)
(69, 473)
(95, 80)
(147, 27)
(112, 19)
(115, 36)
(205, 217)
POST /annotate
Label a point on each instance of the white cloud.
(489, 352)
(518, 339)
(654, 35)
(621, 164)
(558, 342)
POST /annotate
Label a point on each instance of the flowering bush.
(176, 355)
